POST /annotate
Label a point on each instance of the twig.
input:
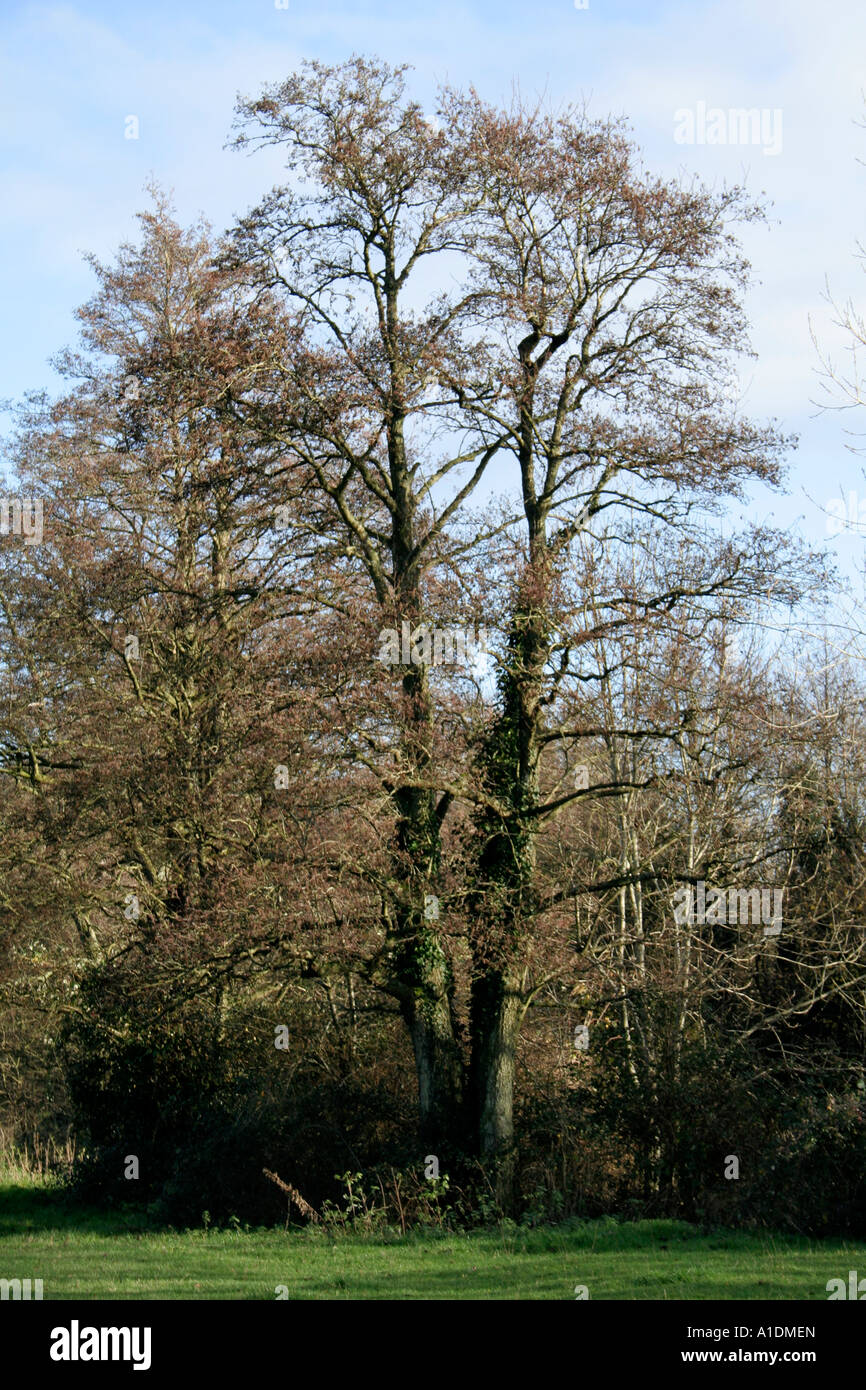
(293, 1195)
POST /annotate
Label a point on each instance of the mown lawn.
(87, 1254)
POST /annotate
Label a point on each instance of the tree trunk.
(497, 1012)
(422, 970)
(427, 1014)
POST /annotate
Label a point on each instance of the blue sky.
(70, 75)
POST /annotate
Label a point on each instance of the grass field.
(87, 1254)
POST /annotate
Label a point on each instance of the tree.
(158, 625)
(584, 346)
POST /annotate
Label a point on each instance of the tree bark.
(496, 1015)
(427, 1015)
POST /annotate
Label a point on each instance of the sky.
(71, 76)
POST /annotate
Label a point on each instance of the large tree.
(505, 293)
(159, 631)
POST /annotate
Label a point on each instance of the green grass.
(89, 1254)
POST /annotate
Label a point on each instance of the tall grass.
(44, 1162)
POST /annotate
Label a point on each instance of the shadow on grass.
(28, 1209)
